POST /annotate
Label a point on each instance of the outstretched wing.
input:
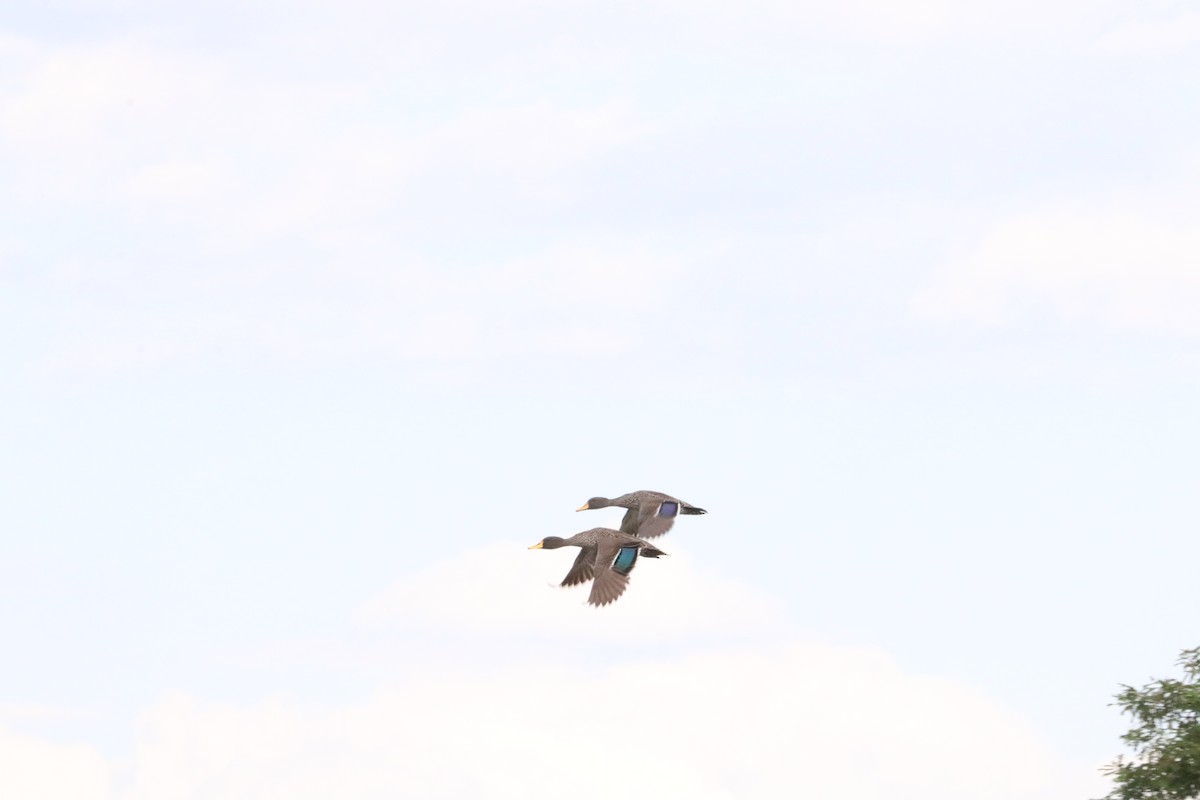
(584, 567)
(656, 516)
(629, 522)
(614, 562)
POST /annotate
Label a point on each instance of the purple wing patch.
(668, 509)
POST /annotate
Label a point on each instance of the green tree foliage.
(1165, 738)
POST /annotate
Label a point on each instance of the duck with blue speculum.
(648, 514)
(606, 557)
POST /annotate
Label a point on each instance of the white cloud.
(569, 299)
(37, 712)
(506, 588)
(16, 47)
(690, 707)
(34, 769)
(66, 96)
(914, 23)
(136, 121)
(264, 212)
(177, 182)
(1133, 268)
(680, 704)
(770, 22)
(793, 721)
(536, 137)
(1152, 37)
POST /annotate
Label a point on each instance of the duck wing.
(656, 515)
(614, 561)
(584, 567)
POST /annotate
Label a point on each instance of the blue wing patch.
(668, 509)
(623, 563)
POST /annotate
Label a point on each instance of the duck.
(606, 557)
(649, 513)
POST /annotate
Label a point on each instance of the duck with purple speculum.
(648, 514)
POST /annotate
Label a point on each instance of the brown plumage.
(606, 557)
(648, 514)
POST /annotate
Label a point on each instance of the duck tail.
(692, 510)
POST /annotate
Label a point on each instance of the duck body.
(606, 557)
(648, 514)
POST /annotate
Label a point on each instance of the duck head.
(595, 502)
(549, 543)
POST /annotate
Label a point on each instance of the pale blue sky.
(305, 301)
